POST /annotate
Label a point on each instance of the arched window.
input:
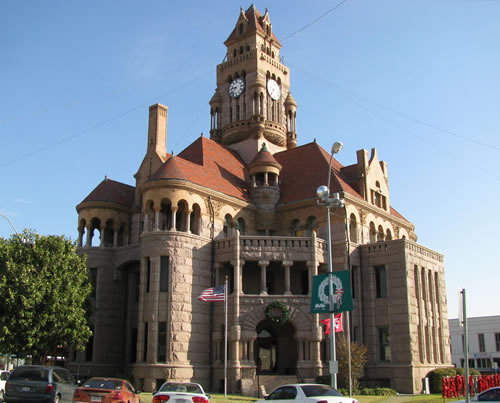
(353, 228)
(180, 216)
(241, 226)
(228, 223)
(108, 234)
(235, 53)
(380, 234)
(241, 50)
(241, 28)
(150, 216)
(295, 227)
(388, 235)
(165, 215)
(194, 220)
(95, 236)
(373, 233)
(312, 224)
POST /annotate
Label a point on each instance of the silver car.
(38, 383)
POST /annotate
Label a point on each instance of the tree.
(358, 361)
(44, 287)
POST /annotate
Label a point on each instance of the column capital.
(287, 263)
(264, 263)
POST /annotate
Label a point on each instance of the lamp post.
(12, 225)
(323, 193)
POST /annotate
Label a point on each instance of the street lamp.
(14, 228)
(323, 193)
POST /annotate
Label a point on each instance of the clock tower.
(252, 103)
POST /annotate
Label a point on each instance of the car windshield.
(180, 387)
(103, 384)
(319, 390)
(30, 374)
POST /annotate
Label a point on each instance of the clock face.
(236, 87)
(273, 89)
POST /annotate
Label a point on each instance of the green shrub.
(377, 392)
(472, 371)
(435, 377)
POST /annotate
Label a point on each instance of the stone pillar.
(115, 237)
(145, 227)
(157, 220)
(101, 236)
(174, 218)
(188, 221)
(287, 264)
(88, 241)
(263, 279)
(266, 179)
(154, 298)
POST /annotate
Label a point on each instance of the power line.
(402, 128)
(100, 124)
(314, 21)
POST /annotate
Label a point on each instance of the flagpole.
(225, 339)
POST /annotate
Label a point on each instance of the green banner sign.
(341, 296)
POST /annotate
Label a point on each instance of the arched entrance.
(276, 348)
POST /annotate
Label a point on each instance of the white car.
(3, 377)
(180, 392)
(490, 395)
(307, 393)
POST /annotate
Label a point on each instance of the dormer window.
(241, 28)
(378, 199)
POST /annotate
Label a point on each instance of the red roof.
(305, 168)
(217, 167)
(208, 164)
(112, 191)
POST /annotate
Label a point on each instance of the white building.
(484, 343)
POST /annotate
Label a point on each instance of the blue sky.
(418, 80)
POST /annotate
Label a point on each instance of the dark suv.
(37, 383)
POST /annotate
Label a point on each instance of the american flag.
(212, 294)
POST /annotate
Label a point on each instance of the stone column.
(263, 279)
(101, 236)
(115, 237)
(157, 220)
(145, 227)
(88, 241)
(188, 221)
(154, 299)
(287, 264)
(172, 221)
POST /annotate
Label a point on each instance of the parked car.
(106, 390)
(307, 393)
(3, 378)
(490, 395)
(184, 392)
(38, 383)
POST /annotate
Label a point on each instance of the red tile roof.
(305, 168)
(219, 168)
(112, 191)
(208, 164)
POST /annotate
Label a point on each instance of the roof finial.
(264, 147)
(105, 177)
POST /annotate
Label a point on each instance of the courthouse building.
(241, 204)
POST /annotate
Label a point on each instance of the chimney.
(157, 130)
